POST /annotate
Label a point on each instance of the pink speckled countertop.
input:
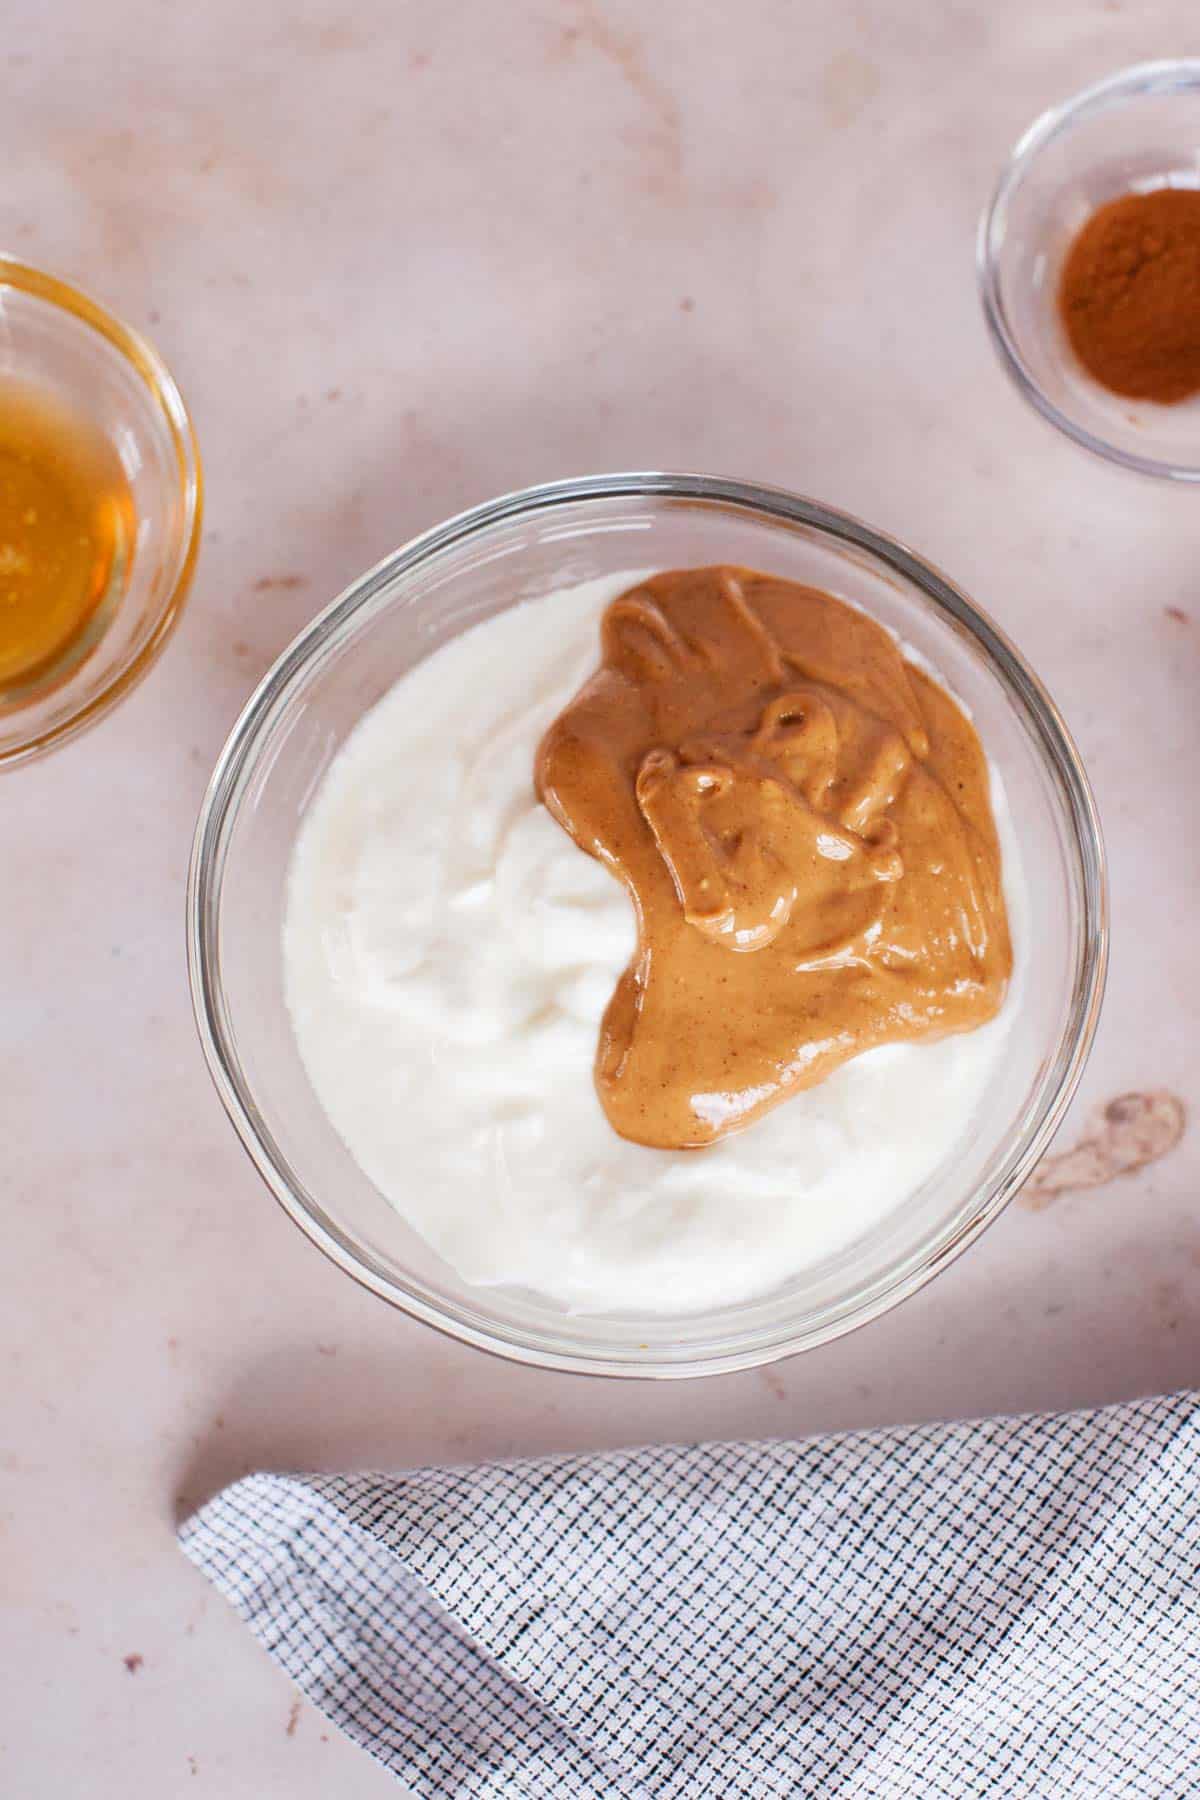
(402, 257)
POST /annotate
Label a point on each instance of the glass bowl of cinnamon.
(1089, 268)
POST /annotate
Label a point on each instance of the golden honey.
(67, 525)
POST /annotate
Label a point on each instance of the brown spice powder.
(1129, 297)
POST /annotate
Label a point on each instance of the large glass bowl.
(524, 546)
(1136, 130)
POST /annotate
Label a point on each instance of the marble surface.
(403, 256)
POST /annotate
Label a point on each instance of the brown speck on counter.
(687, 304)
(1177, 613)
(772, 1381)
(1168, 1301)
(154, 316)
(1128, 1133)
(293, 1719)
(659, 136)
(133, 1662)
(193, 1766)
(333, 393)
(850, 83)
(265, 583)
(327, 1349)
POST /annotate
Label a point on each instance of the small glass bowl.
(57, 342)
(1135, 131)
(520, 547)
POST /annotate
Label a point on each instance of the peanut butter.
(802, 820)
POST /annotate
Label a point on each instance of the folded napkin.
(1005, 1608)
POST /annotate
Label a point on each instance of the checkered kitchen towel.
(1006, 1608)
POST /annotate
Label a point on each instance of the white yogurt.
(448, 953)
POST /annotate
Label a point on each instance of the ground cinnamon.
(1130, 295)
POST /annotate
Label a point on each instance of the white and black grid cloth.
(1005, 1608)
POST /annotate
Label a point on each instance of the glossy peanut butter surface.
(802, 820)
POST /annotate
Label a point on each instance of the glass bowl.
(58, 346)
(521, 547)
(1135, 131)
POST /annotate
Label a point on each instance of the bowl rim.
(154, 374)
(775, 505)
(1170, 75)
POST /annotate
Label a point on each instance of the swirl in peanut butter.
(802, 820)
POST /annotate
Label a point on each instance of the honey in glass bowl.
(100, 504)
(67, 530)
